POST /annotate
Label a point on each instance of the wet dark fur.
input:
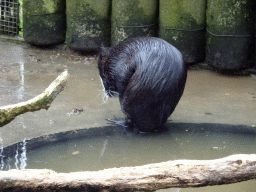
(149, 75)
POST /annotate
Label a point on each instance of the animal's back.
(150, 77)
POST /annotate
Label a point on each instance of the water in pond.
(118, 149)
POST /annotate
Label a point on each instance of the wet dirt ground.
(26, 70)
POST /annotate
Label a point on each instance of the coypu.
(148, 75)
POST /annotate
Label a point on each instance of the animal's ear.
(104, 51)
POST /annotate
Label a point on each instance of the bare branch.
(151, 177)
(42, 101)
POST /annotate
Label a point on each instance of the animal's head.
(106, 73)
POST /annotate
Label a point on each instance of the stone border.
(36, 142)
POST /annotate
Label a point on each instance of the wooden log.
(151, 177)
(42, 101)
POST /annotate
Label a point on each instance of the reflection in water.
(23, 156)
(16, 157)
(20, 157)
(104, 147)
(1, 154)
(8, 165)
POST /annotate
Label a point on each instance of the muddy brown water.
(210, 99)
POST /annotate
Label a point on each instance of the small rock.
(74, 59)
(75, 152)
(76, 111)
(87, 62)
(51, 122)
(34, 58)
(54, 57)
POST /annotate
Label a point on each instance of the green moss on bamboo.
(186, 14)
(134, 13)
(229, 17)
(88, 10)
(43, 7)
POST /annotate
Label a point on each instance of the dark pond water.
(119, 149)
